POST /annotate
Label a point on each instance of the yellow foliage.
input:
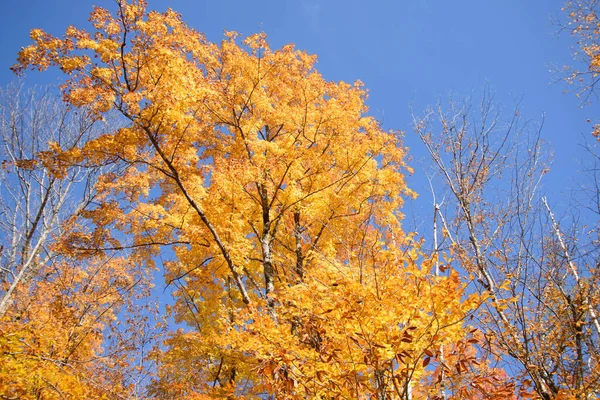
(281, 199)
(51, 339)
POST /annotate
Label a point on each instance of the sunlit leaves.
(279, 199)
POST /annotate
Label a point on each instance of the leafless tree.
(33, 202)
(541, 318)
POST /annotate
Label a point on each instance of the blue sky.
(404, 51)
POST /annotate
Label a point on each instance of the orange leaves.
(281, 199)
(51, 342)
(69, 64)
(256, 42)
(584, 25)
(349, 321)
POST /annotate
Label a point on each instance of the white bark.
(33, 203)
(572, 266)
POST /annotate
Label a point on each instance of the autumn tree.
(584, 25)
(541, 316)
(59, 337)
(273, 201)
(582, 21)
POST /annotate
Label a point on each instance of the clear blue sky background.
(409, 50)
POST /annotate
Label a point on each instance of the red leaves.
(426, 361)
